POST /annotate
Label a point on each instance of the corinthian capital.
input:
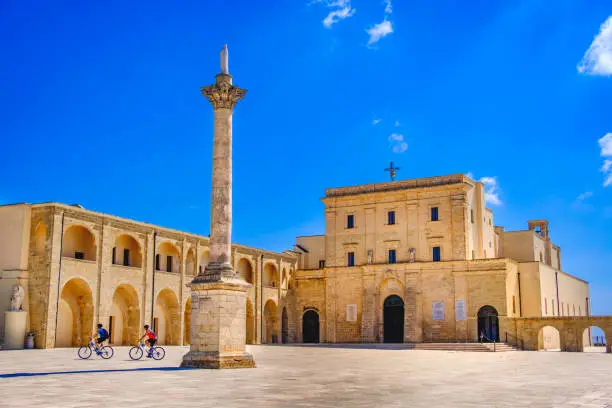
(223, 95)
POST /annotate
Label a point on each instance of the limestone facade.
(80, 267)
(431, 246)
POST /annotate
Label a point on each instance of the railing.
(514, 341)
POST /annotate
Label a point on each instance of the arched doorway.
(393, 320)
(548, 339)
(245, 270)
(75, 314)
(285, 327)
(167, 318)
(187, 323)
(124, 324)
(488, 324)
(594, 340)
(250, 322)
(270, 333)
(310, 327)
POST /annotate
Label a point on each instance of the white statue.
(224, 60)
(17, 298)
(411, 254)
(370, 256)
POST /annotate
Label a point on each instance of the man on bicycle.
(102, 336)
(151, 339)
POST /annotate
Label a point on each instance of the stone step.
(474, 347)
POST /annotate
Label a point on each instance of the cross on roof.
(392, 170)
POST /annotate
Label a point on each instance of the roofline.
(52, 204)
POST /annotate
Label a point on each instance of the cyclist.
(151, 339)
(102, 336)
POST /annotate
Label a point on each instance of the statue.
(411, 254)
(370, 256)
(17, 298)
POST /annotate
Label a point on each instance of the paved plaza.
(318, 376)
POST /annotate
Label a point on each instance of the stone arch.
(284, 327)
(284, 278)
(79, 243)
(124, 323)
(245, 269)
(187, 322)
(204, 259)
(166, 318)
(488, 323)
(250, 322)
(127, 251)
(168, 258)
(190, 262)
(75, 314)
(549, 338)
(594, 339)
(270, 332)
(270, 275)
(291, 283)
(393, 319)
(310, 326)
(40, 239)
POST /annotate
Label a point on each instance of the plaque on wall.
(460, 313)
(351, 313)
(437, 310)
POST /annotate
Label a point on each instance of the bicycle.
(105, 352)
(156, 352)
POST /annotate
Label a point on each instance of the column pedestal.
(218, 330)
(15, 323)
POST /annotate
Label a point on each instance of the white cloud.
(584, 196)
(605, 143)
(397, 123)
(606, 169)
(398, 144)
(491, 190)
(598, 58)
(388, 8)
(379, 31)
(376, 121)
(470, 175)
(342, 10)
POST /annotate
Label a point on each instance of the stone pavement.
(318, 376)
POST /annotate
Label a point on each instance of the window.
(490, 221)
(513, 304)
(562, 309)
(490, 245)
(391, 218)
(114, 256)
(169, 263)
(552, 303)
(473, 254)
(541, 257)
(574, 310)
(392, 256)
(434, 213)
(155, 324)
(545, 306)
(126, 257)
(322, 264)
(351, 259)
(79, 255)
(579, 311)
(350, 221)
(472, 215)
(157, 262)
(436, 254)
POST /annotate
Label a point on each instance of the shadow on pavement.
(14, 375)
(370, 346)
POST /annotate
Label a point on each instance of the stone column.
(218, 295)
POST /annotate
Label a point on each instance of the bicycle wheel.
(107, 352)
(159, 353)
(136, 353)
(84, 352)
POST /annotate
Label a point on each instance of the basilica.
(408, 261)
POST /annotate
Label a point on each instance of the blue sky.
(100, 105)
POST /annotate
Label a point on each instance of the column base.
(198, 359)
